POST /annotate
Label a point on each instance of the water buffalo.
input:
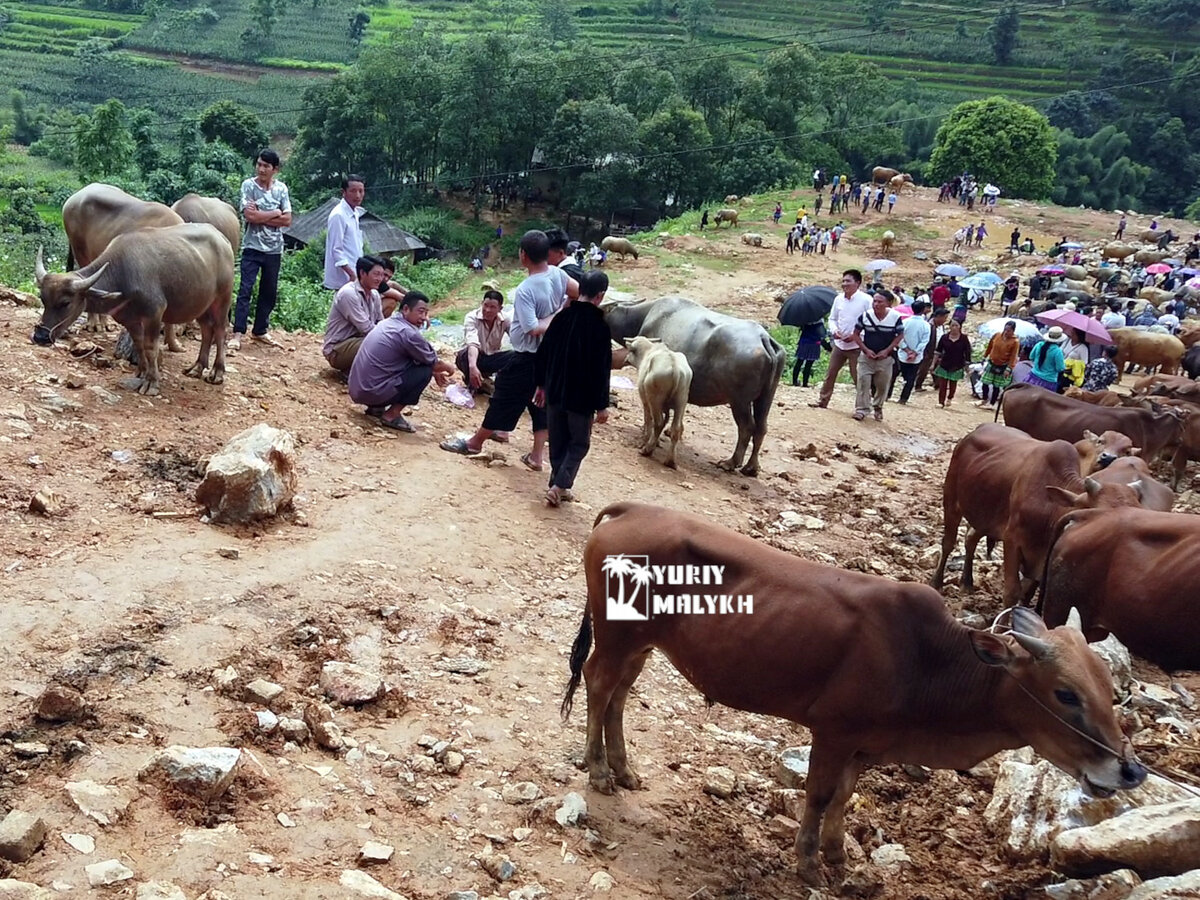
(725, 215)
(733, 361)
(219, 214)
(145, 279)
(619, 245)
(96, 214)
(880, 174)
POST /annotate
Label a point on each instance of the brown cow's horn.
(1074, 620)
(85, 283)
(1037, 648)
(1092, 486)
(39, 268)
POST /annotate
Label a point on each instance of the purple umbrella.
(1092, 330)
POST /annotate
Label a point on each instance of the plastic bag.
(620, 382)
(460, 396)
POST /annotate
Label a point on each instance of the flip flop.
(456, 445)
(553, 497)
(529, 463)
(397, 424)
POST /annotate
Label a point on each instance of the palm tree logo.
(625, 570)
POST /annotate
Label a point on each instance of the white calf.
(664, 380)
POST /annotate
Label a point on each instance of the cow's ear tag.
(991, 649)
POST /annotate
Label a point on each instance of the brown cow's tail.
(999, 404)
(579, 654)
(612, 511)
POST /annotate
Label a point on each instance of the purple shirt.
(352, 315)
(388, 352)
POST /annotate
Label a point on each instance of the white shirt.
(845, 314)
(1112, 320)
(343, 243)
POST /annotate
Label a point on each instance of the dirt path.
(426, 566)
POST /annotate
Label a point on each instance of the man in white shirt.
(343, 234)
(911, 350)
(1112, 318)
(848, 308)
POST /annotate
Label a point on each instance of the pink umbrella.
(1051, 270)
(1194, 283)
(1158, 269)
(1092, 330)
(904, 310)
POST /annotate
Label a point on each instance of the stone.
(788, 802)
(47, 503)
(160, 890)
(521, 834)
(203, 772)
(60, 703)
(783, 827)
(319, 719)
(1176, 887)
(463, 895)
(350, 685)
(1116, 657)
(110, 871)
(268, 722)
(105, 395)
(1113, 886)
(285, 820)
(11, 889)
(602, 883)
(84, 843)
(21, 834)
(520, 792)
(463, 666)
(572, 811)
(529, 892)
(891, 856)
(31, 749)
(499, 867)
(366, 886)
(264, 692)
(374, 853)
(293, 729)
(453, 762)
(101, 802)
(1156, 841)
(251, 477)
(1032, 803)
(225, 678)
(720, 781)
(792, 769)
(229, 553)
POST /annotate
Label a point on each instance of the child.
(572, 369)
(808, 349)
(950, 361)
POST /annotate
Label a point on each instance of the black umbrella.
(809, 304)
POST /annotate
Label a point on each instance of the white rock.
(1032, 803)
(110, 871)
(225, 677)
(891, 856)
(1156, 841)
(1116, 657)
(521, 834)
(602, 883)
(498, 866)
(1178, 887)
(350, 685)
(572, 810)
(520, 792)
(373, 853)
(84, 843)
(285, 820)
(11, 889)
(366, 886)
(267, 721)
(21, 834)
(529, 892)
(263, 692)
(453, 762)
(792, 769)
(30, 749)
(720, 781)
(251, 477)
(160, 890)
(101, 802)
(204, 772)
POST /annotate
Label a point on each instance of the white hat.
(1055, 335)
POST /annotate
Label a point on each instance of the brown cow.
(1164, 385)
(1133, 471)
(1132, 573)
(1013, 488)
(1146, 348)
(1048, 416)
(94, 215)
(880, 174)
(1099, 398)
(879, 671)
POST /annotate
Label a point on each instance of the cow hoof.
(646, 451)
(670, 464)
(110, 326)
(810, 874)
(749, 471)
(603, 784)
(149, 388)
(132, 383)
(194, 371)
(629, 781)
(215, 377)
(726, 465)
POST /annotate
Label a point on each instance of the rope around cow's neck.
(995, 629)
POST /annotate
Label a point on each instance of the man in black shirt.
(571, 373)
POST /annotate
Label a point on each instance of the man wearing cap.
(848, 308)
(483, 333)
(937, 327)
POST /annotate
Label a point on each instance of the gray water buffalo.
(145, 279)
(219, 214)
(733, 361)
(94, 215)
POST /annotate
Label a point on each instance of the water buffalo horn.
(84, 284)
(39, 268)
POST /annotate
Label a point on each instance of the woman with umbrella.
(1075, 356)
(1000, 358)
(806, 309)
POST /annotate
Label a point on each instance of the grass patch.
(789, 336)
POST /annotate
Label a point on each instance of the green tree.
(876, 11)
(358, 26)
(146, 152)
(27, 126)
(103, 144)
(643, 89)
(698, 16)
(1096, 171)
(556, 21)
(1001, 141)
(675, 144)
(589, 136)
(21, 215)
(1002, 34)
(236, 125)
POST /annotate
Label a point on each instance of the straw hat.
(1055, 335)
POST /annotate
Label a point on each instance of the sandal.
(553, 497)
(397, 424)
(500, 437)
(529, 464)
(456, 445)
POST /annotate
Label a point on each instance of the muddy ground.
(453, 579)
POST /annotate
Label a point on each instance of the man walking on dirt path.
(535, 302)
(267, 209)
(848, 308)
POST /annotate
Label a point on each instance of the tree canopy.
(998, 140)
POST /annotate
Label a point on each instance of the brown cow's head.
(1099, 451)
(1064, 703)
(63, 299)
(1098, 495)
